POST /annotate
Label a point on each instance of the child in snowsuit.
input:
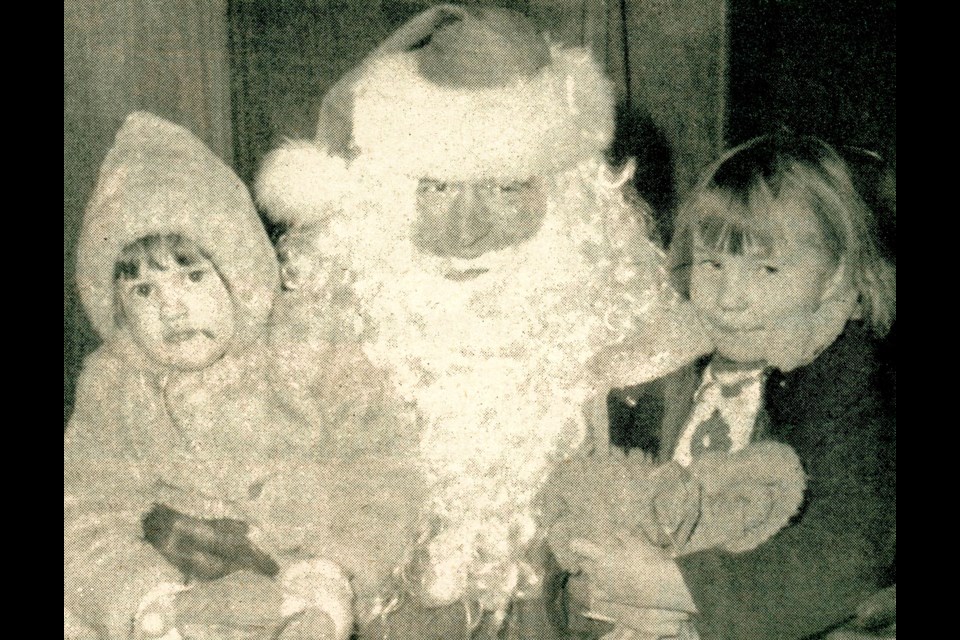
(186, 487)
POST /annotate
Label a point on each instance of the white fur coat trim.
(535, 126)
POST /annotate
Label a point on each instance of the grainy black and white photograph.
(489, 320)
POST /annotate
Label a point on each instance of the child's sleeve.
(814, 572)
(108, 567)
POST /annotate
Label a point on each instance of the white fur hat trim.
(300, 181)
(536, 125)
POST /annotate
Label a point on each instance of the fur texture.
(534, 126)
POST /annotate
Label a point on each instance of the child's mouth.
(727, 328)
(177, 337)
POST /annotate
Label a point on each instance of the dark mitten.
(204, 549)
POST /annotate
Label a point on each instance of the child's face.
(182, 316)
(747, 299)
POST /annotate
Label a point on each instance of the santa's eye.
(196, 275)
(142, 290)
(511, 187)
(770, 269)
(433, 186)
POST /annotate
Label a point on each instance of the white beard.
(495, 366)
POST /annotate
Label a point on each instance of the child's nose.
(733, 289)
(171, 304)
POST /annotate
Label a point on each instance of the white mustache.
(466, 274)
(182, 335)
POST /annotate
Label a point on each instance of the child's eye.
(143, 290)
(711, 264)
(770, 269)
(196, 275)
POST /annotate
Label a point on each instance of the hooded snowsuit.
(210, 443)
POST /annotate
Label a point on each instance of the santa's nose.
(468, 224)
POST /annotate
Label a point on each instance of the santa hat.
(456, 94)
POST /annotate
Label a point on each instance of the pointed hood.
(159, 179)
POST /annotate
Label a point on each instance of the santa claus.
(456, 221)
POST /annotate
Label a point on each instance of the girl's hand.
(311, 624)
(664, 625)
(876, 618)
(156, 617)
(653, 624)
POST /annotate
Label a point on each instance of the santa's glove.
(317, 602)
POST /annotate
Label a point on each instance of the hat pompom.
(301, 183)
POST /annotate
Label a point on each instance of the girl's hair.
(156, 252)
(735, 206)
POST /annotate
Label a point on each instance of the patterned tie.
(713, 434)
(724, 413)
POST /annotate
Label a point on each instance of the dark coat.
(841, 547)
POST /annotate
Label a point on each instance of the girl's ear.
(804, 336)
(838, 304)
(839, 287)
(838, 284)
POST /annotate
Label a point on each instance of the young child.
(778, 253)
(178, 466)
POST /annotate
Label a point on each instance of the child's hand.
(318, 601)
(876, 618)
(311, 624)
(653, 624)
(156, 618)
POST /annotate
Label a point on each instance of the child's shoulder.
(852, 359)
(105, 362)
